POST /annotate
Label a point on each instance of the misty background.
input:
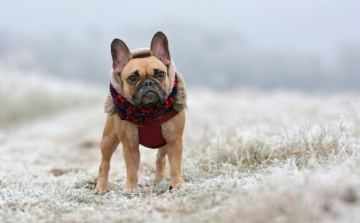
(281, 44)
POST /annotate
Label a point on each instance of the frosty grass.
(249, 156)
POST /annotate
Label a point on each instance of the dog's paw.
(101, 190)
(130, 187)
(177, 183)
(160, 179)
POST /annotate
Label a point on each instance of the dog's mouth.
(148, 96)
(150, 99)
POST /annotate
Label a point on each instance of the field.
(249, 156)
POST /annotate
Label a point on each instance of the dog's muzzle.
(149, 94)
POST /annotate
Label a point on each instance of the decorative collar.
(142, 116)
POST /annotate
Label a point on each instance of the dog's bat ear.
(160, 48)
(120, 54)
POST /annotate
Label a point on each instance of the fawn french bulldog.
(146, 106)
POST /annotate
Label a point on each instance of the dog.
(146, 105)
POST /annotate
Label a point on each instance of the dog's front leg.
(174, 152)
(109, 143)
(132, 159)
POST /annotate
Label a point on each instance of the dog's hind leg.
(174, 152)
(160, 164)
(132, 160)
(109, 143)
(172, 133)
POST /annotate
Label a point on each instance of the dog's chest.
(151, 137)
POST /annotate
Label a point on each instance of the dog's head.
(145, 80)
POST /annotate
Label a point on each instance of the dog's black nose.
(147, 82)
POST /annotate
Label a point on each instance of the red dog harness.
(150, 135)
(148, 120)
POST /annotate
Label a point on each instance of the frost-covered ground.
(249, 156)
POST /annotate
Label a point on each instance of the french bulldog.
(146, 95)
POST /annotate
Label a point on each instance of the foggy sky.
(265, 44)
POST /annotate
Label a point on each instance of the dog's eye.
(132, 79)
(161, 75)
